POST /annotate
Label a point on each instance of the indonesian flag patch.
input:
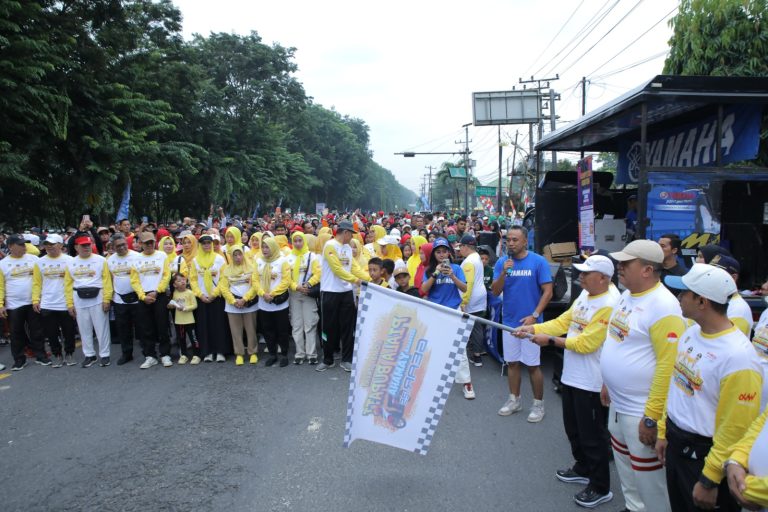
(672, 337)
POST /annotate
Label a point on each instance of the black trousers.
(339, 316)
(477, 336)
(22, 319)
(55, 321)
(153, 319)
(126, 322)
(211, 325)
(184, 333)
(276, 328)
(683, 470)
(584, 419)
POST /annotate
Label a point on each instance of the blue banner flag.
(123, 210)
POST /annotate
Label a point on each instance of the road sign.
(485, 191)
(457, 172)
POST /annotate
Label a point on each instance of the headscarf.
(322, 239)
(419, 277)
(414, 261)
(274, 253)
(238, 242)
(283, 244)
(378, 233)
(299, 254)
(161, 243)
(711, 250)
(255, 251)
(362, 255)
(310, 241)
(325, 229)
(391, 252)
(235, 270)
(189, 254)
(206, 260)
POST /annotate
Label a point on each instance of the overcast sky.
(409, 68)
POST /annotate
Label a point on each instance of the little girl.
(184, 302)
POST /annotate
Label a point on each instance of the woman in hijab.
(374, 249)
(239, 285)
(275, 279)
(233, 238)
(425, 252)
(204, 275)
(305, 273)
(255, 244)
(282, 242)
(414, 260)
(390, 250)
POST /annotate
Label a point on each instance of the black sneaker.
(313, 361)
(570, 476)
(125, 358)
(477, 360)
(18, 366)
(271, 360)
(283, 361)
(590, 498)
(58, 361)
(89, 361)
(104, 361)
(43, 361)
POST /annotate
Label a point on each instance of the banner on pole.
(125, 203)
(406, 358)
(586, 205)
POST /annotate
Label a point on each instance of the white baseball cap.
(710, 282)
(388, 240)
(644, 249)
(33, 239)
(53, 238)
(596, 263)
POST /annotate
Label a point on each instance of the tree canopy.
(99, 93)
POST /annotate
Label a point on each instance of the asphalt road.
(220, 437)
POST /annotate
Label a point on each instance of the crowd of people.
(667, 375)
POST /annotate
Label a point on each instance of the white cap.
(596, 263)
(53, 238)
(388, 240)
(643, 249)
(394, 232)
(33, 239)
(710, 282)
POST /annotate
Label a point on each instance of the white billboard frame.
(506, 107)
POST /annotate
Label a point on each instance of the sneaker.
(58, 361)
(271, 360)
(253, 359)
(18, 366)
(570, 476)
(69, 360)
(239, 361)
(298, 360)
(322, 367)
(2, 367)
(125, 358)
(590, 498)
(89, 361)
(313, 361)
(511, 406)
(43, 361)
(220, 358)
(283, 361)
(149, 362)
(477, 360)
(195, 360)
(104, 361)
(469, 392)
(5, 341)
(208, 358)
(347, 367)
(167, 362)
(537, 412)
(183, 359)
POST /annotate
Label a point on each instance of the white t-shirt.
(330, 282)
(150, 269)
(239, 284)
(52, 271)
(87, 273)
(760, 342)
(120, 268)
(739, 310)
(478, 301)
(275, 270)
(17, 276)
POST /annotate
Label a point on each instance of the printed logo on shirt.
(746, 398)
(53, 271)
(121, 269)
(20, 270)
(686, 376)
(83, 271)
(672, 337)
(580, 318)
(149, 268)
(522, 272)
(618, 328)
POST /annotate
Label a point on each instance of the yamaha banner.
(694, 145)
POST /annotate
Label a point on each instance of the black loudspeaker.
(556, 217)
(559, 282)
(489, 238)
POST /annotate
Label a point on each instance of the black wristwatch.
(707, 483)
(434, 276)
(649, 422)
(551, 341)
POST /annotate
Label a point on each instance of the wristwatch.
(731, 462)
(649, 422)
(551, 341)
(707, 483)
(435, 275)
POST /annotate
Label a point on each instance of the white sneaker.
(149, 362)
(183, 359)
(2, 367)
(537, 412)
(220, 358)
(511, 406)
(167, 361)
(208, 358)
(469, 391)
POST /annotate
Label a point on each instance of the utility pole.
(429, 197)
(541, 83)
(498, 190)
(583, 101)
(466, 142)
(552, 98)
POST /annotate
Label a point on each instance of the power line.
(630, 66)
(604, 36)
(451, 135)
(634, 41)
(568, 19)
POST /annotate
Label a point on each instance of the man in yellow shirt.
(714, 393)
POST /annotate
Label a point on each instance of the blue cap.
(675, 282)
(727, 263)
(440, 242)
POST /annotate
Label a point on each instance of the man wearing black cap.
(739, 311)
(16, 273)
(475, 300)
(340, 271)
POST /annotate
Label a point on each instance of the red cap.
(83, 240)
(297, 228)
